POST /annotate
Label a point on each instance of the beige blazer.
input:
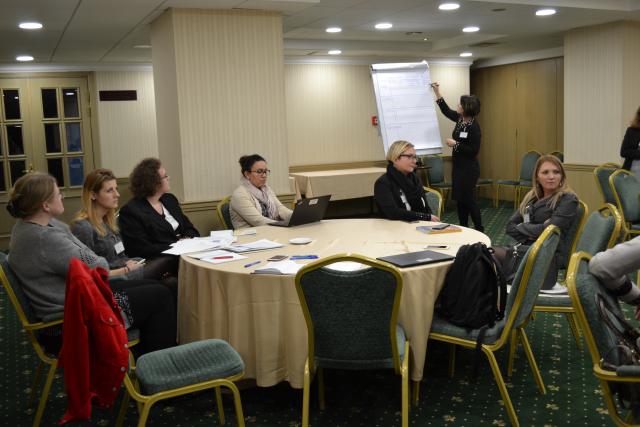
(245, 209)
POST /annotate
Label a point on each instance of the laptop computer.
(306, 211)
(416, 258)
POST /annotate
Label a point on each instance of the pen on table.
(222, 257)
(252, 264)
(295, 257)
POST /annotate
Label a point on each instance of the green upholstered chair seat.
(485, 181)
(507, 182)
(133, 334)
(635, 226)
(441, 184)
(525, 183)
(553, 300)
(365, 364)
(187, 364)
(440, 326)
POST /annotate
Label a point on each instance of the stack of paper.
(258, 245)
(279, 267)
(217, 239)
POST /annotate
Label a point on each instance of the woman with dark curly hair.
(152, 220)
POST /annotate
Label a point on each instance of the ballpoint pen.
(222, 257)
(252, 264)
(295, 257)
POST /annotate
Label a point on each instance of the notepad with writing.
(286, 267)
(434, 229)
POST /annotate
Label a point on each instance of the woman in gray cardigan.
(41, 248)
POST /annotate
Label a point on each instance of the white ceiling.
(104, 32)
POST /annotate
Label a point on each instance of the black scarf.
(410, 186)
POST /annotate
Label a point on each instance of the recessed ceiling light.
(466, 54)
(24, 58)
(449, 6)
(383, 25)
(142, 46)
(335, 52)
(470, 29)
(425, 39)
(333, 30)
(30, 25)
(545, 12)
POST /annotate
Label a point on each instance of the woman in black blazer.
(465, 142)
(630, 149)
(398, 193)
(152, 220)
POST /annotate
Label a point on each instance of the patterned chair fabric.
(350, 312)
(602, 174)
(598, 232)
(434, 199)
(524, 179)
(559, 155)
(571, 236)
(627, 188)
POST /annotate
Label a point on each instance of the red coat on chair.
(94, 351)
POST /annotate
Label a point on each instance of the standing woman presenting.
(465, 143)
(630, 149)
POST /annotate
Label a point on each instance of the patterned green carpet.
(361, 398)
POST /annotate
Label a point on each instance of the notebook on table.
(306, 211)
(416, 258)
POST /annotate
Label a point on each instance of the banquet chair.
(223, 213)
(583, 288)
(626, 188)
(434, 199)
(559, 155)
(602, 174)
(600, 232)
(351, 319)
(435, 175)
(33, 328)
(181, 370)
(524, 290)
(527, 166)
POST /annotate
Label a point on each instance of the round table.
(260, 315)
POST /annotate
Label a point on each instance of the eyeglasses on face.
(409, 156)
(261, 171)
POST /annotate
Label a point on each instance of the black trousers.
(153, 309)
(468, 207)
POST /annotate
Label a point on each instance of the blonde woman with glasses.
(253, 203)
(398, 193)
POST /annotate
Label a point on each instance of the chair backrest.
(18, 298)
(434, 199)
(602, 174)
(600, 232)
(570, 238)
(559, 155)
(351, 316)
(583, 287)
(626, 189)
(528, 165)
(435, 169)
(529, 279)
(223, 213)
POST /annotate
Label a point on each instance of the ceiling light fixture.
(449, 6)
(335, 52)
(24, 58)
(333, 30)
(30, 25)
(470, 29)
(545, 12)
(466, 54)
(383, 25)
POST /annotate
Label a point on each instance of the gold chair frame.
(489, 349)
(628, 232)
(595, 176)
(603, 376)
(400, 368)
(145, 402)
(439, 196)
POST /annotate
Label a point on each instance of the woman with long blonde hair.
(550, 201)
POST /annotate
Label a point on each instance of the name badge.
(527, 219)
(463, 134)
(119, 247)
